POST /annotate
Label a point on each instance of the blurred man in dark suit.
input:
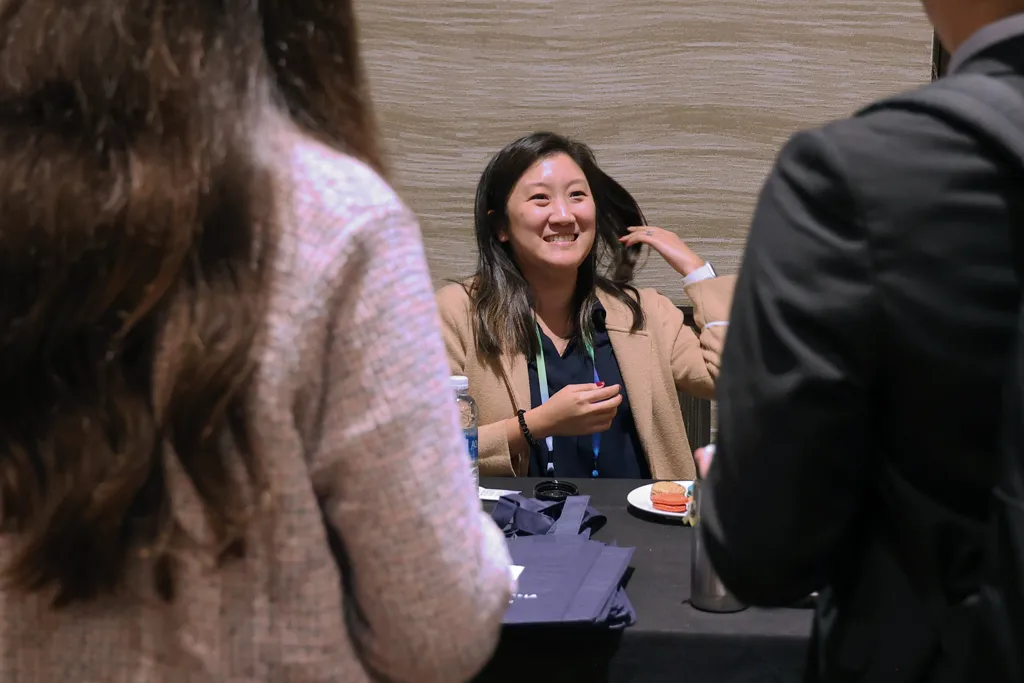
(860, 392)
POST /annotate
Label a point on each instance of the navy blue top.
(621, 455)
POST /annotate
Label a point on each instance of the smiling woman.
(551, 201)
(575, 371)
(539, 188)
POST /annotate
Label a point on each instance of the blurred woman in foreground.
(228, 451)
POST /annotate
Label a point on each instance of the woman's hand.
(674, 250)
(576, 410)
(704, 457)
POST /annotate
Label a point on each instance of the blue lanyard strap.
(545, 394)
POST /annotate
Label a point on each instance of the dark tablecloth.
(671, 641)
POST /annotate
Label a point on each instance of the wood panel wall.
(686, 102)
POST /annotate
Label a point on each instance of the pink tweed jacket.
(357, 429)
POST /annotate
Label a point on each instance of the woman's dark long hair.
(134, 248)
(502, 301)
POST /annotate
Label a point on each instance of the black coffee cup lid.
(553, 490)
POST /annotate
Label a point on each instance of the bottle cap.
(459, 383)
(554, 490)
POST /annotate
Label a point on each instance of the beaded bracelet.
(526, 430)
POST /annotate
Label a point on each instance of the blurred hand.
(576, 410)
(673, 249)
(704, 456)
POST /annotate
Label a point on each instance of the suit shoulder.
(894, 138)
(878, 169)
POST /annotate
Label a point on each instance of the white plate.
(640, 497)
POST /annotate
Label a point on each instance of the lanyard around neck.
(545, 394)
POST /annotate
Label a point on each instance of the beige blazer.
(656, 362)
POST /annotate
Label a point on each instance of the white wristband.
(705, 272)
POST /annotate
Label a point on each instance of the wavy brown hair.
(134, 243)
(313, 48)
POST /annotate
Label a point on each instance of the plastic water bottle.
(468, 416)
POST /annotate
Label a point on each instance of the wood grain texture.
(685, 102)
